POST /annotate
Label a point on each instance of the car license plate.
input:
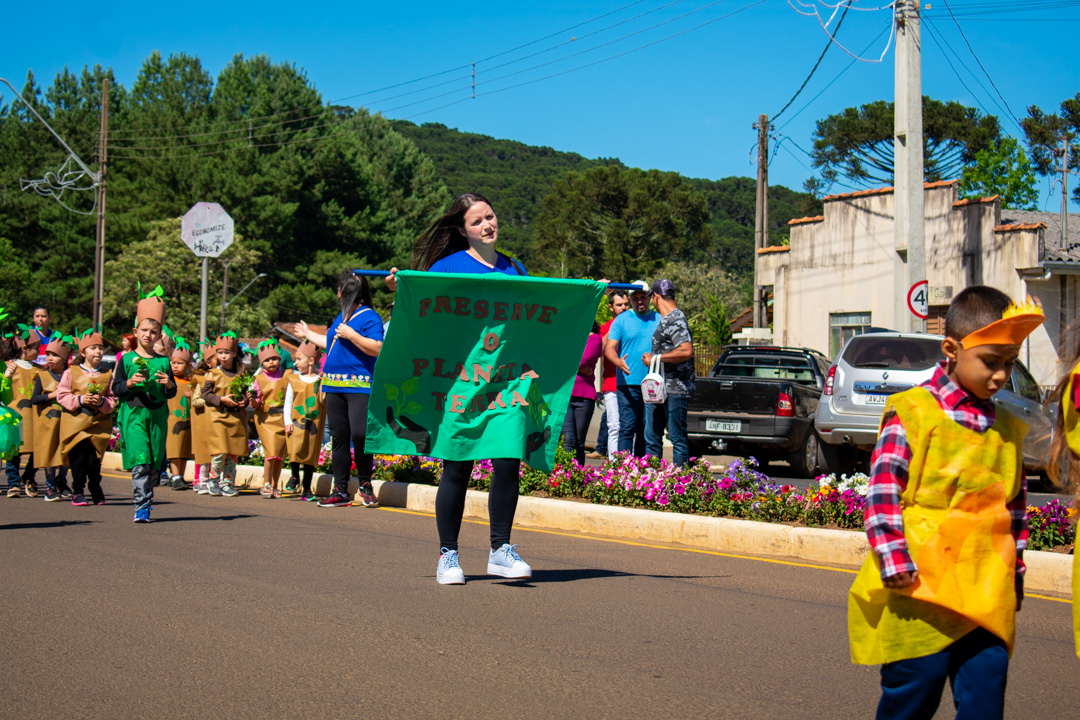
(719, 426)
(877, 399)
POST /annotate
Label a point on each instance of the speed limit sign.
(918, 299)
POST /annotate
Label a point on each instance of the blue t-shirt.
(463, 262)
(348, 369)
(634, 334)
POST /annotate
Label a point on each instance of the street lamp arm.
(96, 177)
(243, 289)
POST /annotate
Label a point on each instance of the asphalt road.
(246, 607)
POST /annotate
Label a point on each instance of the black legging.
(576, 425)
(86, 469)
(346, 414)
(502, 500)
(308, 471)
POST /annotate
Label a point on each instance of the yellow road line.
(681, 549)
(669, 547)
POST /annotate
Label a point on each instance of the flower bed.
(740, 491)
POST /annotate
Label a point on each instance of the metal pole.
(202, 302)
(99, 245)
(1064, 193)
(909, 224)
(59, 139)
(761, 209)
(224, 296)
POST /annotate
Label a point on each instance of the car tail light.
(829, 380)
(784, 406)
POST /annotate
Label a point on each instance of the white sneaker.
(449, 571)
(505, 562)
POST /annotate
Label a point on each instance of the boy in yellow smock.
(947, 523)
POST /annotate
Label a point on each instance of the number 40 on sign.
(918, 299)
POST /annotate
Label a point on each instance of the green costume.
(143, 414)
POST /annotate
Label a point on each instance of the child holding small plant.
(47, 414)
(305, 417)
(22, 371)
(178, 439)
(143, 383)
(268, 401)
(86, 395)
(225, 392)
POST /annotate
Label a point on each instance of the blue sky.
(684, 104)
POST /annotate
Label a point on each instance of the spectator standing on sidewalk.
(629, 338)
(40, 319)
(674, 344)
(607, 440)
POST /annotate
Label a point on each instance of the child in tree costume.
(200, 417)
(10, 420)
(1063, 465)
(946, 520)
(178, 438)
(21, 371)
(143, 382)
(47, 415)
(225, 392)
(268, 401)
(305, 416)
(85, 428)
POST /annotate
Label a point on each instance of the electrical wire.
(813, 69)
(831, 82)
(981, 66)
(832, 35)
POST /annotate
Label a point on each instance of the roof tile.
(886, 190)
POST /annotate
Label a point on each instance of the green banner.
(476, 367)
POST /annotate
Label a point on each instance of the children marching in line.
(305, 417)
(268, 401)
(946, 519)
(143, 383)
(178, 439)
(227, 407)
(22, 371)
(47, 414)
(86, 395)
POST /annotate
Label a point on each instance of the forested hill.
(517, 177)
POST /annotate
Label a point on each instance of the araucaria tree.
(857, 143)
(1047, 136)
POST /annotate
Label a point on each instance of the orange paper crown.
(269, 349)
(1016, 323)
(310, 349)
(227, 341)
(58, 346)
(89, 338)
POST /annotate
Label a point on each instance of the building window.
(843, 327)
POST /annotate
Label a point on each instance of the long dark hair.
(446, 235)
(355, 292)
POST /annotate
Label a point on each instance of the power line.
(981, 66)
(813, 69)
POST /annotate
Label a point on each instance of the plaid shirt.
(889, 473)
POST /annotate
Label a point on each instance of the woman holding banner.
(355, 339)
(463, 241)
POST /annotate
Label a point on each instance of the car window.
(771, 367)
(1025, 385)
(892, 353)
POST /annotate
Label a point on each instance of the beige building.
(843, 274)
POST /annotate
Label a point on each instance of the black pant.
(576, 425)
(309, 470)
(86, 469)
(502, 500)
(346, 414)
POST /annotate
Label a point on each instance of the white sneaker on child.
(505, 562)
(449, 571)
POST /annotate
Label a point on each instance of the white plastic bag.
(653, 387)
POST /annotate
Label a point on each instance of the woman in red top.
(583, 397)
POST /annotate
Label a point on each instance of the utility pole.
(1065, 192)
(99, 244)
(909, 223)
(761, 213)
(224, 296)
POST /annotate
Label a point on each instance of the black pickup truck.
(760, 401)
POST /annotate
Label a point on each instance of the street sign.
(207, 229)
(918, 299)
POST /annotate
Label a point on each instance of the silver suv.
(873, 366)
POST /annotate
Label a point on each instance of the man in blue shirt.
(629, 338)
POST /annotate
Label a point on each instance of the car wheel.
(839, 459)
(804, 461)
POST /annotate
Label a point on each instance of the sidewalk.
(1047, 572)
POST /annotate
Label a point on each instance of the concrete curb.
(1046, 571)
